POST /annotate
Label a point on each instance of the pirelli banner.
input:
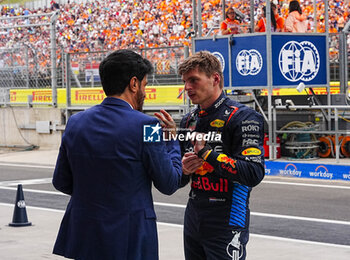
(160, 95)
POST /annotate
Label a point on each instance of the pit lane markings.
(25, 182)
(299, 241)
(181, 227)
(264, 181)
(6, 185)
(260, 214)
(308, 185)
(27, 165)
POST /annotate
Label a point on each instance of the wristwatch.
(202, 151)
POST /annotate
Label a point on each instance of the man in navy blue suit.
(109, 157)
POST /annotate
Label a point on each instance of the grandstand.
(84, 32)
(87, 26)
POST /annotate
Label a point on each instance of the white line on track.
(35, 191)
(308, 185)
(169, 205)
(36, 208)
(25, 182)
(329, 221)
(27, 165)
(260, 214)
(181, 227)
(300, 241)
(48, 180)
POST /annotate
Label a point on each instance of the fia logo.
(152, 133)
(299, 61)
(21, 204)
(219, 56)
(249, 62)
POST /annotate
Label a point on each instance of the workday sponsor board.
(308, 170)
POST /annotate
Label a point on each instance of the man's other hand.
(190, 163)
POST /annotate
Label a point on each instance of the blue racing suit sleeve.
(243, 157)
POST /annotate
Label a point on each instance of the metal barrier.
(22, 67)
(83, 88)
(336, 113)
(44, 3)
(82, 67)
(29, 56)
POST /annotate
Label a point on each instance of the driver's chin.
(195, 100)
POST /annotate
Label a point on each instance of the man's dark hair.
(117, 69)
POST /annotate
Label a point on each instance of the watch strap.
(203, 150)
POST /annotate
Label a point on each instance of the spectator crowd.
(117, 24)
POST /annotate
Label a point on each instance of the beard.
(140, 97)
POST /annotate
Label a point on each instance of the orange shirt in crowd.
(261, 27)
(279, 23)
(231, 25)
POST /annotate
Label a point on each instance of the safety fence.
(24, 67)
(78, 82)
(81, 69)
(46, 3)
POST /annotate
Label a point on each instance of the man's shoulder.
(233, 103)
(241, 110)
(144, 118)
(130, 115)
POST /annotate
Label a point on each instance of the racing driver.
(226, 161)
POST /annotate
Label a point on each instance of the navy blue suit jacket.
(108, 170)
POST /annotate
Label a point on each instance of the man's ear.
(133, 84)
(217, 79)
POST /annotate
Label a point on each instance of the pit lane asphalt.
(313, 213)
(306, 210)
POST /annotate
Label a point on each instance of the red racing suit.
(220, 188)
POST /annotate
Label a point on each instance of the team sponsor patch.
(250, 136)
(249, 142)
(212, 199)
(248, 122)
(217, 123)
(204, 169)
(219, 102)
(202, 113)
(227, 163)
(251, 151)
(253, 159)
(250, 128)
(204, 183)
